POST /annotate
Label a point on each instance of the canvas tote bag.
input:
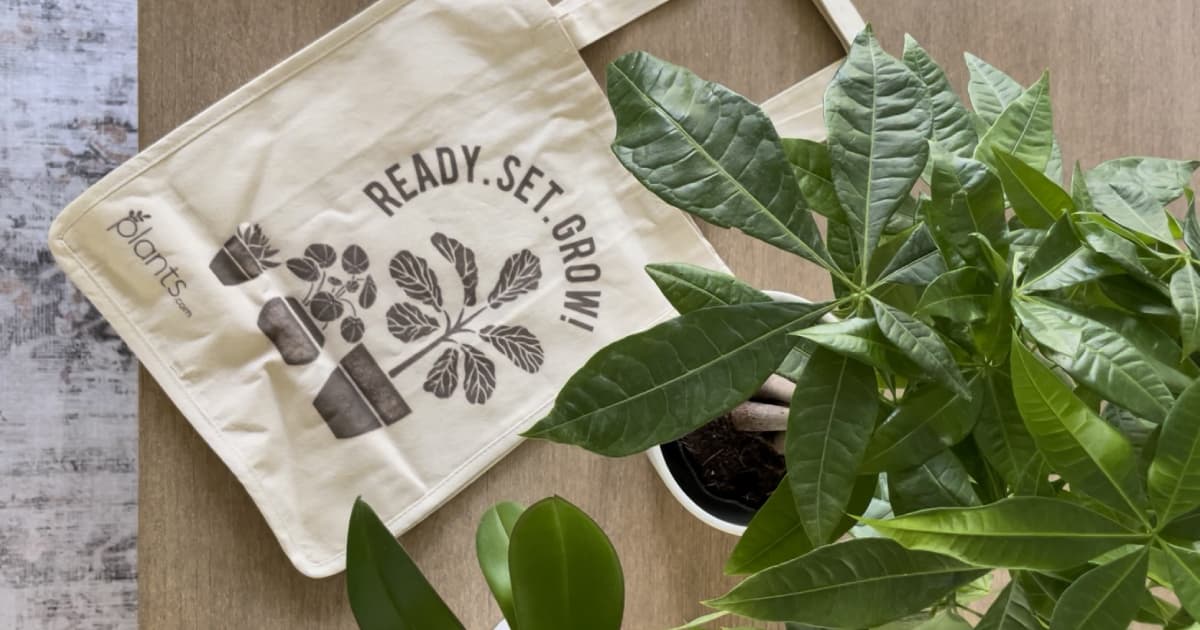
(369, 269)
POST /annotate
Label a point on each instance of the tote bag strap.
(589, 20)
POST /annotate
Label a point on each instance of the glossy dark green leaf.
(565, 572)
(1019, 532)
(878, 118)
(1130, 206)
(491, 549)
(1104, 598)
(882, 579)
(921, 344)
(1174, 478)
(962, 295)
(843, 249)
(980, 206)
(690, 288)
(1000, 432)
(940, 481)
(1184, 567)
(1010, 611)
(1164, 180)
(810, 161)
(709, 151)
(926, 422)
(1088, 453)
(1037, 200)
(856, 337)
(833, 412)
(990, 89)
(1062, 261)
(386, 589)
(952, 127)
(917, 261)
(1024, 129)
(636, 392)
(1185, 295)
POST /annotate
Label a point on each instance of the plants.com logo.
(135, 229)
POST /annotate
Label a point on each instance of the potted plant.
(1013, 364)
(244, 256)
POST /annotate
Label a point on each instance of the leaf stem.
(451, 331)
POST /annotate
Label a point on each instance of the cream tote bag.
(369, 269)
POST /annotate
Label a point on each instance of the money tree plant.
(1011, 358)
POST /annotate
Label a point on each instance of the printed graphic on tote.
(244, 256)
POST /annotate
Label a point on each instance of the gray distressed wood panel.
(68, 425)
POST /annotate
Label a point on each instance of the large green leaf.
(1062, 261)
(833, 412)
(386, 589)
(962, 295)
(1000, 432)
(918, 260)
(926, 422)
(1087, 452)
(810, 162)
(1175, 471)
(990, 89)
(1036, 200)
(856, 337)
(690, 288)
(940, 481)
(1020, 532)
(565, 572)
(1105, 598)
(1024, 129)
(878, 118)
(1185, 295)
(920, 343)
(641, 390)
(708, 150)
(491, 548)
(880, 579)
(982, 201)
(1191, 227)
(1165, 180)
(952, 126)
(1130, 206)
(1184, 567)
(1010, 611)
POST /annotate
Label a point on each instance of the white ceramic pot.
(682, 484)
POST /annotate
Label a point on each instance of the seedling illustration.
(243, 257)
(460, 361)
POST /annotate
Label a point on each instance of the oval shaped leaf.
(321, 254)
(479, 375)
(926, 422)
(419, 282)
(709, 151)
(325, 307)
(690, 288)
(463, 259)
(990, 89)
(353, 329)
(564, 571)
(520, 274)
(940, 481)
(386, 589)
(882, 579)
(304, 269)
(491, 549)
(1025, 129)
(366, 299)
(1174, 476)
(407, 322)
(1104, 598)
(443, 376)
(355, 260)
(638, 392)
(518, 344)
(832, 414)
(1034, 533)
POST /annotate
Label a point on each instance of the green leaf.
(386, 589)
(565, 572)
(926, 422)
(843, 249)
(878, 117)
(1019, 533)
(1164, 180)
(945, 620)
(856, 337)
(1062, 261)
(702, 621)
(967, 197)
(952, 126)
(1191, 228)
(1185, 295)
(1000, 431)
(1130, 206)
(1010, 611)
(832, 414)
(918, 260)
(962, 296)
(1036, 200)
(810, 162)
(1175, 471)
(1105, 598)
(940, 481)
(690, 288)
(491, 548)
(709, 151)
(1025, 129)
(882, 579)
(990, 89)
(639, 391)
(1088, 453)
(1184, 567)
(921, 344)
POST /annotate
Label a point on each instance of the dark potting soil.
(734, 465)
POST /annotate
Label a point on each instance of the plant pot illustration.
(288, 325)
(358, 396)
(243, 257)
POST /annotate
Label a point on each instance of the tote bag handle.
(797, 112)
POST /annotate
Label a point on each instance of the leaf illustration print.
(463, 260)
(520, 275)
(419, 282)
(479, 375)
(443, 377)
(518, 344)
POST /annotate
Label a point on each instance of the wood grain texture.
(1122, 85)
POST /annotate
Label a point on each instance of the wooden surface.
(1123, 83)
